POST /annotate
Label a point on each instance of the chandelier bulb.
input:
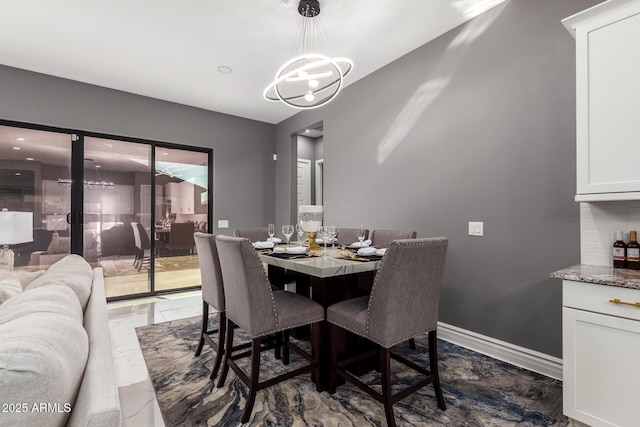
(313, 83)
(303, 73)
(309, 96)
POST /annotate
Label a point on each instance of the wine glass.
(361, 234)
(287, 230)
(271, 231)
(323, 231)
(333, 233)
(301, 233)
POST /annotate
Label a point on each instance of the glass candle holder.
(310, 221)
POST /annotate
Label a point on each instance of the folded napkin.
(366, 251)
(365, 244)
(296, 250)
(263, 245)
(274, 240)
(279, 250)
(381, 251)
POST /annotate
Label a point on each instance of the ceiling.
(172, 50)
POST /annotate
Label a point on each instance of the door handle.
(69, 216)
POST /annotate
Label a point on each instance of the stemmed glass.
(361, 234)
(324, 233)
(271, 231)
(333, 233)
(301, 233)
(287, 230)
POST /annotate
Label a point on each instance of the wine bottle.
(619, 252)
(633, 252)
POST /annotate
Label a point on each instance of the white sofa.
(56, 364)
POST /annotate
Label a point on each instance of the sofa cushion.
(72, 271)
(26, 277)
(43, 355)
(9, 286)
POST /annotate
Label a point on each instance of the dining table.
(326, 277)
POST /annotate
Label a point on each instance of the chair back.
(248, 296)
(405, 297)
(210, 273)
(181, 235)
(254, 234)
(347, 236)
(136, 235)
(383, 238)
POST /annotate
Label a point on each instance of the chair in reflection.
(403, 303)
(180, 239)
(253, 306)
(143, 252)
(255, 234)
(383, 238)
(347, 236)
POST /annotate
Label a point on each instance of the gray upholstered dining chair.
(141, 240)
(255, 234)
(403, 303)
(383, 238)
(212, 295)
(347, 236)
(254, 307)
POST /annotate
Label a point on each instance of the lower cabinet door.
(601, 368)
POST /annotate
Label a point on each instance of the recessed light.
(165, 153)
(29, 158)
(225, 69)
(18, 174)
(307, 131)
(17, 148)
(19, 138)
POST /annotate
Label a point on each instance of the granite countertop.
(600, 275)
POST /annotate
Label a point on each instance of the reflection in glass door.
(182, 182)
(116, 216)
(35, 172)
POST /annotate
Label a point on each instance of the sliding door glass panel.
(117, 223)
(181, 209)
(35, 173)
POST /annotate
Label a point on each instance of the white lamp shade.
(16, 227)
(310, 217)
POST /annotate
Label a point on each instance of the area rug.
(478, 390)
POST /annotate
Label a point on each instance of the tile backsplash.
(598, 225)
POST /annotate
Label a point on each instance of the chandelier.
(310, 79)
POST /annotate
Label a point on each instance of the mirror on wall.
(310, 165)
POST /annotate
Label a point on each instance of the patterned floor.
(478, 390)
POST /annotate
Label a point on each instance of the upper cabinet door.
(608, 100)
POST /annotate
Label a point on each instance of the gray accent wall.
(477, 125)
(244, 171)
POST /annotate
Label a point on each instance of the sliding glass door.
(128, 206)
(182, 200)
(35, 171)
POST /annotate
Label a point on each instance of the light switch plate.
(223, 223)
(476, 229)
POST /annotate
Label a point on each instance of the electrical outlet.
(223, 223)
(476, 229)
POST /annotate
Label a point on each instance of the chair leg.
(227, 354)
(222, 329)
(385, 368)
(285, 348)
(433, 365)
(412, 343)
(333, 380)
(316, 351)
(278, 350)
(205, 323)
(255, 373)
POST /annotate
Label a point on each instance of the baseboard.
(513, 354)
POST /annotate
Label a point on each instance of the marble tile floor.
(137, 398)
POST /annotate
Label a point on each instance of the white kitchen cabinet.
(601, 350)
(182, 197)
(607, 100)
